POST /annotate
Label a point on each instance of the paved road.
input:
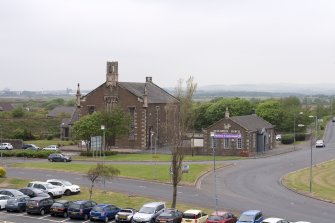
(248, 184)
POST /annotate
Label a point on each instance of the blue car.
(251, 216)
(103, 212)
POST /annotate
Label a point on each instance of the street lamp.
(311, 164)
(215, 193)
(104, 148)
(294, 120)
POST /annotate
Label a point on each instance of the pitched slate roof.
(251, 122)
(61, 110)
(155, 93)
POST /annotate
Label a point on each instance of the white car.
(6, 145)
(148, 212)
(320, 143)
(67, 186)
(53, 191)
(51, 147)
(278, 137)
(3, 201)
(275, 220)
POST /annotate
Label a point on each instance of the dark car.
(58, 157)
(34, 192)
(59, 208)
(81, 209)
(11, 192)
(30, 147)
(39, 205)
(17, 203)
(125, 215)
(221, 217)
(170, 215)
(103, 212)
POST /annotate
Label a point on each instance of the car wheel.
(28, 212)
(85, 217)
(42, 212)
(106, 219)
(52, 214)
(67, 192)
(65, 215)
(91, 219)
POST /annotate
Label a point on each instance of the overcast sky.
(54, 44)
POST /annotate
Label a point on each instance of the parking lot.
(12, 217)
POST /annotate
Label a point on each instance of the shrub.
(300, 136)
(287, 139)
(27, 153)
(50, 137)
(2, 172)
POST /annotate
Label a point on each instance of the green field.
(159, 173)
(323, 183)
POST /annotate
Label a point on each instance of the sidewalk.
(281, 149)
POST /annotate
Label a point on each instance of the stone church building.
(154, 112)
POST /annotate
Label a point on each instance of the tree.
(116, 124)
(100, 172)
(18, 112)
(88, 126)
(271, 111)
(187, 120)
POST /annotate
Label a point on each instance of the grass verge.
(159, 172)
(323, 181)
(109, 197)
(157, 157)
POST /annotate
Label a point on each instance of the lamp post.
(215, 193)
(104, 148)
(311, 163)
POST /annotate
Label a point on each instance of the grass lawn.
(118, 199)
(323, 184)
(157, 157)
(136, 171)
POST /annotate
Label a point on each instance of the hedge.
(287, 139)
(107, 153)
(26, 153)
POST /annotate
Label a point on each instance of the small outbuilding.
(245, 135)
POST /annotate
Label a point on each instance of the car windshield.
(16, 193)
(147, 210)
(166, 214)
(74, 206)
(98, 208)
(66, 183)
(246, 218)
(188, 216)
(126, 211)
(49, 186)
(57, 204)
(215, 218)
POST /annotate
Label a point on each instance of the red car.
(221, 217)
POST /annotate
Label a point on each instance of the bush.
(2, 172)
(287, 139)
(107, 153)
(300, 136)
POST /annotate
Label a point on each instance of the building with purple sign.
(239, 135)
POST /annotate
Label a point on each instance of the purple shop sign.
(226, 136)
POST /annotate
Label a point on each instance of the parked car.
(148, 212)
(6, 146)
(30, 147)
(274, 220)
(58, 157)
(67, 186)
(194, 216)
(221, 217)
(39, 205)
(53, 191)
(170, 215)
(103, 212)
(320, 143)
(59, 208)
(34, 192)
(333, 120)
(81, 209)
(125, 215)
(3, 201)
(251, 216)
(51, 147)
(11, 192)
(17, 203)
(278, 137)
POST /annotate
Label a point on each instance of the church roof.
(251, 122)
(155, 93)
